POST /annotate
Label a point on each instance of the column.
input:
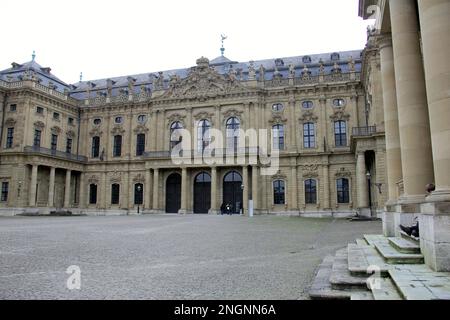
(435, 30)
(148, 188)
(245, 191)
(361, 182)
(34, 172)
(103, 190)
(67, 189)
(326, 187)
(184, 191)
(155, 189)
(393, 153)
(214, 206)
(255, 187)
(323, 122)
(293, 192)
(292, 125)
(414, 127)
(82, 198)
(51, 188)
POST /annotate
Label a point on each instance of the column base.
(214, 211)
(411, 199)
(442, 195)
(365, 212)
(434, 231)
(388, 218)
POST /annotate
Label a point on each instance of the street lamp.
(369, 176)
(139, 189)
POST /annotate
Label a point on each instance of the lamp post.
(139, 189)
(369, 176)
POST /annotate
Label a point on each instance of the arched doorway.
(173, 193)
(232, 191)
(202, 193)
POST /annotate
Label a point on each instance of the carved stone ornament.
(310, 171)
(204, 115)
(55, 130)
(343, 173)
(232, 113)
(277, 119)
(116, 177)
(95, 132)
(39, 125)
(93, 179)
(279, 176)
(140, 129)
(117, 130)
(139, 178)
(10, 122)
(176, 117)
(340, 114)
(308, 116)
(203, 82)
(70, 134)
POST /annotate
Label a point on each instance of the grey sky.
(113, 38)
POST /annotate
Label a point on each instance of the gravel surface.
(168, 256)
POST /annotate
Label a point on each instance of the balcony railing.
(54, 153)
(195, 153)
(364, 131)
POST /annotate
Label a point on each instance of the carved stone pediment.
(70, 134)
(117, 130)
(343, 173)
(56, 130)
(340, 114)
(277, 119)
(95, 132)
(279, 176)
(308, 116)
(202, 82)
(310, 171)
(176, 117)
(139, 178)
(140, 129)
(93, 179)
(10, 122)
(116, 177)
(204, 115)
(39, 125)
(232, 113)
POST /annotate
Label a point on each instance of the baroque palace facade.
(103, 146)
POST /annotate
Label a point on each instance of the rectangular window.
(340, 133)
(10, 138)
(37, 138)
(55, 115)
(69, 145)
(5, 190)
(278, 192)
(117, 149)
(54, 142)
(40, 110)
(70, 121)
(140, 144)
(95, 147)
(12, 107)
(92, 194)
(115, 193)
(343, 192)
(310, 191)
(309, 135)
(278, 137)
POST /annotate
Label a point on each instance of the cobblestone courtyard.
(168, 257)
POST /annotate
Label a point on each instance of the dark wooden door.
(232, 191)
(173, 193)
(202, 193)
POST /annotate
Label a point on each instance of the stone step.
(362, 296)
(419, 282)
(404, 246)
(392, 256)
(371, 239)
(410, 238)
(386, 291)
(361, 257)
(321, 286)
(341, 278)
(361, 242)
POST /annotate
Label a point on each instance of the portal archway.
(202, 193)
(173, 193)
(232, 191)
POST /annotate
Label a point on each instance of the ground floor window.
(93, 194)
(342, 187)
(138, 193)
(115, 193)
(310, 191)
(5, 191)
(278, 192)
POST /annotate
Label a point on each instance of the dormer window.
(306, 59)
(279, 62)
(335, 56)
(277, 107)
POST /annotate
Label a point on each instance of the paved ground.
(168, 257)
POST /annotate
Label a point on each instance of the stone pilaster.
(435, 31)
(214, 207)
(184, 192)
(51, 188)
(82, 198)
(67, 189)
(156, 189)
(148, 189)
(326, 187)
(255, 188)
(417, 165)
(245, 191)
(32, 198)
(393, 152)
(293, 206)
(361, 184)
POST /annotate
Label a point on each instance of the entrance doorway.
(232, 191)
(173, 193)
(202, 193)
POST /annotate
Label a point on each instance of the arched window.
(138, 193)
(117, 148)
(340, 133)
(175, 138)
(95, 147)
(232, 131)
(309, 139)
(203, 135)
(115, 193)
(342, 189)
(335, 56)
(92, 194)
(278, 137)
(310, 191)
(140, 144)
(278, 192)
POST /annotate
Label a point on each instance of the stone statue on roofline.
(261, 73)
(251, 71)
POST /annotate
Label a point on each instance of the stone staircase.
(379, 268)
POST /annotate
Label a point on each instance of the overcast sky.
(106, 38)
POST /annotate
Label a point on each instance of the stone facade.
(319, 92)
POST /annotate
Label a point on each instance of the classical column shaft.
(417, 166)
(361, 182)
(184, 191)
(82, 199)
(435, 31)
(255, 187)
(155, 189)
(326, 187)
(67, 189)
(148, 188)
(393, 152)
(214, 207)
(245, 191)
(293, 192)
(34, 172)
(51, 188)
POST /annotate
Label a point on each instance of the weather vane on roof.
(224, 37)
(33, 56)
